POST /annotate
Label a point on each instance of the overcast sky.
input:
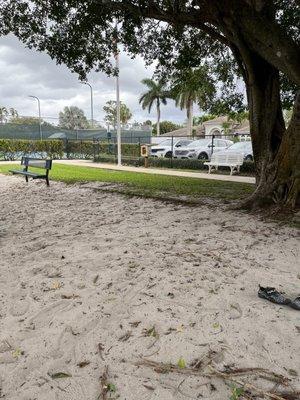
(26, 72)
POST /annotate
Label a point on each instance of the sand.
(83, 269)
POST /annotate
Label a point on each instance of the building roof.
(217, 120)
(243, 128)
(58, 135)
(182, 132)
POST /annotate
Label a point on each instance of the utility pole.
(92, 102)
(118, 104)
(40, 119)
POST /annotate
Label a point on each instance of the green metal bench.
(36, 163)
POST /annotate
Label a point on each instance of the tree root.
(239, 377)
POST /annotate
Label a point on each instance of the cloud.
(26, 72)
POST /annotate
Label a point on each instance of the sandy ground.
(83, 270)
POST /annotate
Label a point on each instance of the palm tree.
(3, 115)
(192, 86)
(156, 94)
(13, 113)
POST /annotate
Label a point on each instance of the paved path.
(169, 172)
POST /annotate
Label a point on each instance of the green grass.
(146, 184)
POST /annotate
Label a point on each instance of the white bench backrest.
(228, 158)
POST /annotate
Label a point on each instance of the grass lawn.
(146, 184)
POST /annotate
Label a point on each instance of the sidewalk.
(157, 171)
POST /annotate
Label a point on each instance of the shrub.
(246, 168)
(13, 149)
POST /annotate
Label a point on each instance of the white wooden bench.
(231, 160)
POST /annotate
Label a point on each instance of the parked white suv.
(164, 148)
(202, 149)
(243, 148)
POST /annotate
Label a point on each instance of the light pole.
(40, 120)
(118, 106)
(92, 102)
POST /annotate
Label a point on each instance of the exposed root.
(241, 377)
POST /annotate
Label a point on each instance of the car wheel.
(203, 156)
(168, 154)
(249, 158)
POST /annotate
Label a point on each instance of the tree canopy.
(73, 118)
(165, 126)
(111, 113)
(256, 40)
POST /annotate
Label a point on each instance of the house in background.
(243, 131)
(208, 128)
(215, 126)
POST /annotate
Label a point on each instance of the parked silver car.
(243, 148)
(164, 148)
(202, 149)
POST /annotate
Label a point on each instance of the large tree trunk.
(276, 150)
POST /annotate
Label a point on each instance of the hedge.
(13, 149)
(246, 168)
(88, 149)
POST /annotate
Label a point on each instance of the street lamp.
(92, 102)
(118, 106)
(40, 120)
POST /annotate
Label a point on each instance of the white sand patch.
(79, 268)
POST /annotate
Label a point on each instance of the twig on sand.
(229, 375)
(104, 384)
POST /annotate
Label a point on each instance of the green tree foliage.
(73, 118)
(3, 115)
(7, 114)
(157, 94)
(191, 86)
(257, 41)
(165, 126)
(111, 113)
(29, 121)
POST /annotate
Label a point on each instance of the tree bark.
(276, 149)
(190, 118)
(158, 119)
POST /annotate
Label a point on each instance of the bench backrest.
(36, 162)
(228, 158)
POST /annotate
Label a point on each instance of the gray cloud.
(24, 72)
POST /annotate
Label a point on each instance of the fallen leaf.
(17, 353)
(60, 375)
(56, 285)
(148, 387)
(83, 364)
(181, 363)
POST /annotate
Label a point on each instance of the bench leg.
(26, 177)
(47, 181)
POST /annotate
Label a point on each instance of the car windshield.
(240, 146)
(200, 143)
(167, 142)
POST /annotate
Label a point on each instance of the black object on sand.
(271, 294)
